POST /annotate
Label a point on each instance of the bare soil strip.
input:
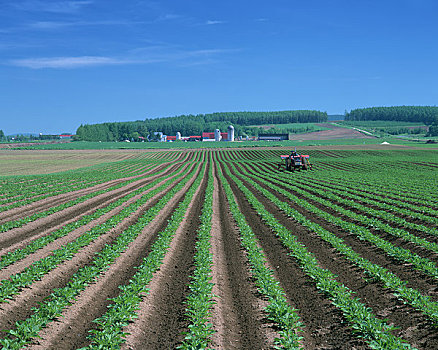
(161, 316)
(71, 331)
(413, 326)
(237, 317)
(20, 307)
(325, 327)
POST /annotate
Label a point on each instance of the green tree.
(2, 135)
(433, 130)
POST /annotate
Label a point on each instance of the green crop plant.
(375, 331)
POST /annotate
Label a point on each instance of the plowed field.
(222, 249)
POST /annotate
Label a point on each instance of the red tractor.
(295, 161)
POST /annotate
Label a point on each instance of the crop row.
(414, 207)
(375, 331)
(15, 255)
(24, 220)
(37, 270)
(391, 188)
(200, 300)
(53, 306)
(31, 195)
(390, 280)
(110, 334)
(374, 201)
(278, 310)
(401, 254)
(365, 218)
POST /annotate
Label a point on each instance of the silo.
(178, 135)
(217, 135)
(230, 133)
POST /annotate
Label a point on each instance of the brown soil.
(161, 317)
(238, 318)
(50, 202)
(20, 307)
(18, 266)
(325, 327)
(78, 319)
(413, 326)
(415, 278)
(335, 132)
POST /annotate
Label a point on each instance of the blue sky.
(66, 63)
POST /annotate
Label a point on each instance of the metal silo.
(230, 133)
(178, 135)
(217, 135)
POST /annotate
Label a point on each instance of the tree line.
(244, 124)
(424, 114)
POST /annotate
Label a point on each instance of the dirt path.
(334, 132)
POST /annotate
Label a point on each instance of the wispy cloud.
(168, 17)
(66, 62)
(55, 7)
(138, 56)
(212, 22)
(56, 25)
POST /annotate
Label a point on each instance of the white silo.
(230, 133)
(178, 135)
(217, 135)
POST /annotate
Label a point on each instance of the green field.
(292, 127)
(349, 246)
(381, 128)
(83, 145)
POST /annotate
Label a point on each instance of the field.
(217, 248)
(383, 128)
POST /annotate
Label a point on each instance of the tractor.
(295, 161)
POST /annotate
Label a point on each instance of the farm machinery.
(295, 161)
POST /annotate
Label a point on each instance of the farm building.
(209, 136)
(274, 137)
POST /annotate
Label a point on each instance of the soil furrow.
(71, 331)
(161, 318)
(41, 253)
(237, 316)
(416, 328)
(416, 279)
(61, 218)
(20, 307)
(394, 212)
(38, 206)
(325, 326)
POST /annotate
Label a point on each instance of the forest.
(425, 114)
(245, 123)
